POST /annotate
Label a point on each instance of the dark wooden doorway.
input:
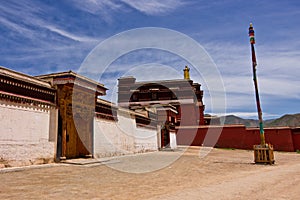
(75, 134)
(165, 138)
(79, 137)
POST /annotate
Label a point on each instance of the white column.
(173, 142)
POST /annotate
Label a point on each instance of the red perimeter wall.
(239, 137)
(296, 138)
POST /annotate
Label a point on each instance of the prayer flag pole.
(263, 153)
(254, 64)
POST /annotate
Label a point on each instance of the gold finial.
(186, 73)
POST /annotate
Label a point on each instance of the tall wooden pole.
(254, 64)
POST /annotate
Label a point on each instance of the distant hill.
(232, 119)
(286, 120)
(290, 120)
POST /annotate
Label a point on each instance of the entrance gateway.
(76, 100)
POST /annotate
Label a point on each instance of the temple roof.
(22, 88)
(23, 77)
(61, 78)
(153, 82)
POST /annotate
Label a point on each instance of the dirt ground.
(222, 174)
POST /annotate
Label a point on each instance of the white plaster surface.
(173, 142)
(24, 134)
(122, 137)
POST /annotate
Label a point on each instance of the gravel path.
(222, 174)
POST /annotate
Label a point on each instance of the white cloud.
(281, 62)
(70, 35)
(26, 18)
(16, 27)
(277, 73)
(282, 88)
(104, 8)
(277, 70)
(154, 7)
(96, 6)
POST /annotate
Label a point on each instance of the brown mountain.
(232, 119)
(290, 120)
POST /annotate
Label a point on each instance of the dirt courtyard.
(222, 174)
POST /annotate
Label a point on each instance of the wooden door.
(72, 137)
(77, 124)
(84, 129)
(79, 138)
(165, 138)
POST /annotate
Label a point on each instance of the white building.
(60, 116)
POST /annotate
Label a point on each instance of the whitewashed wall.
(24, 135)
(122, 137)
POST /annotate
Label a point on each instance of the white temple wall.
(145, 140)
(25, 135)
(122, 137)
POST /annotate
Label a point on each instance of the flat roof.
(72, 74)
(23, 77)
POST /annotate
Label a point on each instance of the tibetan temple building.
(177, 102)
(59, 116)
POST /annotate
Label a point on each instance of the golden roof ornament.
(186, 73)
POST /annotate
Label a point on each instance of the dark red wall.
(296, 138)
(188, 115)
(190, 136)
(239, 137)
(280, 138)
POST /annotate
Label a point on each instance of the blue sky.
(44, 36)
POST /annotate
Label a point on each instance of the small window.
(134, 97)
(154, 96)
(173, 96)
